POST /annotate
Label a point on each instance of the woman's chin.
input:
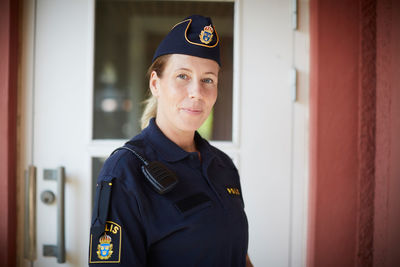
(191, 125)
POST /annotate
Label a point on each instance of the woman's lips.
(193, 111)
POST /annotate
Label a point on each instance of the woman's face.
(186, 92)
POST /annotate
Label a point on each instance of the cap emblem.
(206, 34)
(104, 249)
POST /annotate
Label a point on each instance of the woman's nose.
(195, 90)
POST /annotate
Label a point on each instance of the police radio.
(157, 174)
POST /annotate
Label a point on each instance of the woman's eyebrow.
(189, 70)
(210, 72)
(185, 69)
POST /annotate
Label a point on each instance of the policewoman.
(169, 198)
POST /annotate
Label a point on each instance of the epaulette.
(102, 206)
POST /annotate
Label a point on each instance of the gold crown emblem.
(105, 248)
(206, 34)
(209, 29)
(105, 239)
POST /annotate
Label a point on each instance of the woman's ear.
(154, 83)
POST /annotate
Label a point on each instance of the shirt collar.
(170, 151)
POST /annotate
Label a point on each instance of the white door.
(70, 100)
(61, 84)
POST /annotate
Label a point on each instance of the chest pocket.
(193, 203)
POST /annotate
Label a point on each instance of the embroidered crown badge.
(206, 34)
(104, 249)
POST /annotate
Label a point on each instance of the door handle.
(57, 250)
(30, 214)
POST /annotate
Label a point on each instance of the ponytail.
(150, 109)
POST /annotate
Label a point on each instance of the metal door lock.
(57, 250)
(47, 197)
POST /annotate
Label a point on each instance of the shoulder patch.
(106, 248)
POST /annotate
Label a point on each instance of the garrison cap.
(194, 36)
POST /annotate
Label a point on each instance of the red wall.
(8, 111)
(334, 76)
(354, 204)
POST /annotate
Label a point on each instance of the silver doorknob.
(47, 197)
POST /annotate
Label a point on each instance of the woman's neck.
(183, 139)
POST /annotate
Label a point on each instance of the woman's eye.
(208, 80)
(182, 76)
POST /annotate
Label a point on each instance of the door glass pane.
(127, 34)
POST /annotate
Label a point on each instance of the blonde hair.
(150, 109)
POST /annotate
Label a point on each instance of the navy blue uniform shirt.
(201, 222)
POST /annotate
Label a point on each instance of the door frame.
(25, 114)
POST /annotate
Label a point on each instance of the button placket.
(194, 160)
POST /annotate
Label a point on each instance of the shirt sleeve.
(121, 240)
